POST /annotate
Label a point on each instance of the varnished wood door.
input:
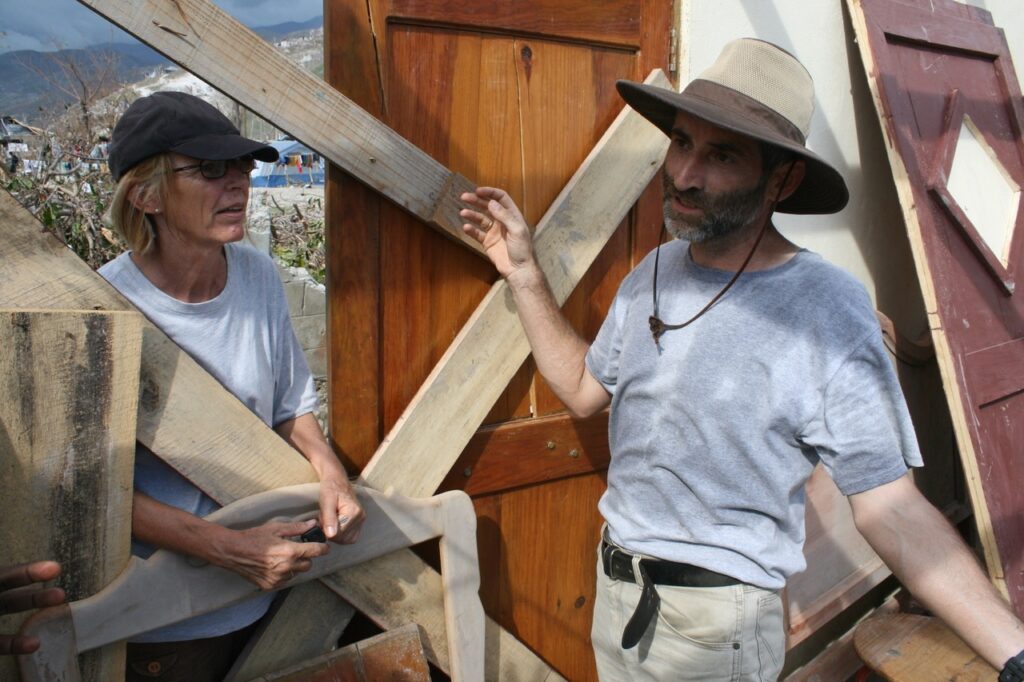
(514, 95)
(951, 108)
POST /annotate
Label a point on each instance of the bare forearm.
(557, 349)
(932, 561)
(341, 515)
(304, 434)
(167, 527)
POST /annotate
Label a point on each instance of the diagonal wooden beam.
(454, 400)
(214, 46)
(184, 414)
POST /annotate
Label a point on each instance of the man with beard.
(734, 361)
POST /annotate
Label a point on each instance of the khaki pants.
(700, 633)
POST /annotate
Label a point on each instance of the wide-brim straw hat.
(756, 89)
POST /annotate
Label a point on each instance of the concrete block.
(317, 360)
(294, 292)
(311, 330)
(314, 302)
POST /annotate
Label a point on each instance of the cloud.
(30, 24)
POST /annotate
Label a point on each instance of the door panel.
(948, 96)
(507, 94)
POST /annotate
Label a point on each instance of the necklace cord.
(658, 326)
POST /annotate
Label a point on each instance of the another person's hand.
(496, 222)
(265, 556)
(20, 591)
(341, 515)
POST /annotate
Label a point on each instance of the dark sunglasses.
(213, 169)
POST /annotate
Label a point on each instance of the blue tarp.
(298, 165)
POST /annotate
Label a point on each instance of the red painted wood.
(924, 51)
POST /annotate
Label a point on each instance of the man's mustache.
(696, 198)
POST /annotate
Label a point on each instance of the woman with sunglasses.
(183, 185)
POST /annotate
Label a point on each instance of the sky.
(31, 24)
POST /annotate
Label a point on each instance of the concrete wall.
(1009, 16)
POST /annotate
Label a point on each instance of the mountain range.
(32, 82)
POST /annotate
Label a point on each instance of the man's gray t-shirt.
(244, 338)
(714, 436)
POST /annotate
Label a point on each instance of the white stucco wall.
(1009, 16)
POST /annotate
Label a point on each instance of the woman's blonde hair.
(141, 183)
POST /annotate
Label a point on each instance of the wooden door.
(951, 110)
(513, 95)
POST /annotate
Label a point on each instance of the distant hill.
(27, 77)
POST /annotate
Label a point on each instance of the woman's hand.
(20, 591)
(341, 515)
(264, 555)
(496, 222)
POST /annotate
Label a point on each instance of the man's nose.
(687, 173)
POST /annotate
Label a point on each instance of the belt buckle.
(607, 555)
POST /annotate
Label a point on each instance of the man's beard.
(723, 213)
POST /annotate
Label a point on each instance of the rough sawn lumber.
(454, 400)
(38, 271)
(213, 45)
(68, 391)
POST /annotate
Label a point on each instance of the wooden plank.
(411, 593)
(602, 23)
(396, 656)
(216, 47)
(839, 661)
(304, 623)
(353, 249)
(989, 380)
(67, 433)
(37, 270)
(419, 451)
(529, 451)
(904, 647)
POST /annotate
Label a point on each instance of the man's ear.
(792, 177)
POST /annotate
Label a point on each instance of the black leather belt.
(618, 565)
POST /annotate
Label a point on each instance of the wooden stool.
(903, 647)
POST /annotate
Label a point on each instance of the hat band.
(744, 106)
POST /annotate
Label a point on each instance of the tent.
(298, 165)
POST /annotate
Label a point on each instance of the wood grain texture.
(68, 400)
(36, 270)
(907, 648)
(613, 23)
(917, 53)
(304, 623)
(530, 451)
(457, 395)
(412, 593)
(396, 656)
(352, 231)
(223, 52)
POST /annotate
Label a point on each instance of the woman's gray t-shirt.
(244, 338)
(714, 436)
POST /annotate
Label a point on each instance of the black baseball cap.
(177, 122)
